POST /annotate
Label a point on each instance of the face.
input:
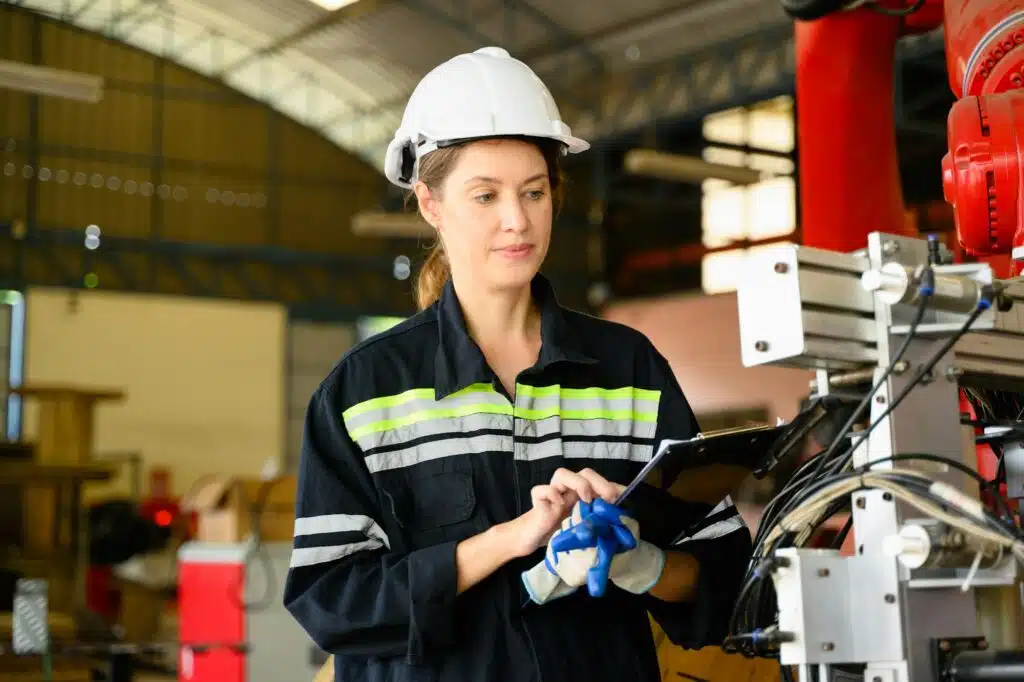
(493, 213)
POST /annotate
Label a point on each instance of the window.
(764, 210)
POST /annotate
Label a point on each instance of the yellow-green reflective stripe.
(577, 393)
(434, 413)
(387, 401)
(612, 415)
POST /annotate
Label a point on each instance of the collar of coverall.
(460, 363)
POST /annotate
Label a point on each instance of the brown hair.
(434, 169)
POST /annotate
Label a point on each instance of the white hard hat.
(486, 93)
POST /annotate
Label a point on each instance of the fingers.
(551, 496)
(565, 480)
(605, 489)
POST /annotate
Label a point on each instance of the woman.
(440, 456)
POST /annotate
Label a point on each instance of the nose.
(513, 216)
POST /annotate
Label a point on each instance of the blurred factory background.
(195, 228)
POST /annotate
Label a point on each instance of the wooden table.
(66, 420)
(67, 533)
(64, 436)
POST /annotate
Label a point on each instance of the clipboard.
(684, 477)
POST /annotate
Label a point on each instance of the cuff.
(646, 564)
(543, 586)
(433, 587)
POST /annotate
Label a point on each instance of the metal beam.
(564, 38)
(334, 286)
(341, 15)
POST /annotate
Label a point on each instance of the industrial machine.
(930, 465)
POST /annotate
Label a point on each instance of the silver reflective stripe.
(629, 452)
(441, 426)
(436, 449)
(336, 523)
(722, 506)
(716, 530)
(719, 528)
(613, 428)
(340, 523)
(309, 556)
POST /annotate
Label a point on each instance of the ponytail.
(432, 278)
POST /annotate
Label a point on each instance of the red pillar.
(849, 170)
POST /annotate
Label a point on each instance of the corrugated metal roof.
(348, 73)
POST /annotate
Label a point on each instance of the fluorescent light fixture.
(332, 5)
(42, 80)
(688, 169)
(384, 224)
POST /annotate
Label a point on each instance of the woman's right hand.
(535, 527)
(552, 504)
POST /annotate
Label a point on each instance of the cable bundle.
(822, 486)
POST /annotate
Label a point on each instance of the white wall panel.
(313, 351)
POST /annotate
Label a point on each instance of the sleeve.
(346, 586)
(719, 540)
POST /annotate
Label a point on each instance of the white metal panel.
(313, 351)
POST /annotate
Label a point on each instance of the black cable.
(925, 290)
(922, 372)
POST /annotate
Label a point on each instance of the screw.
(861, 503)
(900, 367)
(781, 268)
(887, 497)
(823, 572)
(890, 599)
(944, 645)
(953, 373)
(827, 646)
(880, 399)
(890, 248)
(928, 377)
(761, 346)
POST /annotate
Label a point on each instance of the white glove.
(543, 585)
(636, 570)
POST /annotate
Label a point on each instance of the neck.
(499, 318)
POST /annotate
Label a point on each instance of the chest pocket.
(434, 501)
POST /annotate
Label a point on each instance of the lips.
(517, 249)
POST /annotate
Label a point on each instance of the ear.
(427, 205)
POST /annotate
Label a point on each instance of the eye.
(536, 194)
(484, 197)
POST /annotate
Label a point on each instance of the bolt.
(861, 503)
(880, 399)
(928, 377)
(890, 248)
(781, 268)
(887, 497)
(827, 646)
(761, 346)
(890, 599)
(944, 645)
(900, 367)
(823, 572)
(953, 373)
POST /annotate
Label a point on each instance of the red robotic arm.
(982, 173)
(849, 176)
